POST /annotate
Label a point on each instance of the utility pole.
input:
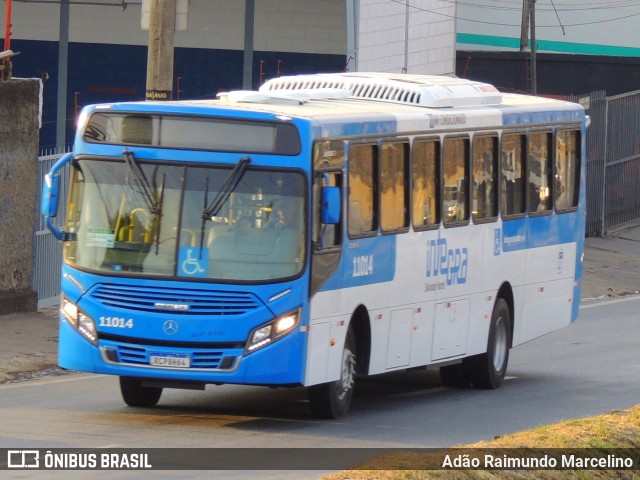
(534, 49)
(529, 24)
(249, 33)
(63, 62)
(162, 27)
(6, 62)
(524, 25)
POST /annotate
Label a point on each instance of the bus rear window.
(567, 169)
(193, 133)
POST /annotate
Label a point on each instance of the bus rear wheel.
(135, 395)
(487, 371)
(332, 399)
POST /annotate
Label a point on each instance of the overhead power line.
(502, 24)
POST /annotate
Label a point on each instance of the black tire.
(135, 395)
(332, 399)
(487, 370)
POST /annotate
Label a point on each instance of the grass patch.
(615, 430)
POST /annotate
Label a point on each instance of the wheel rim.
(500, 344)
(348, 373)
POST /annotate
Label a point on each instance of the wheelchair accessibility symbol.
(193, 261)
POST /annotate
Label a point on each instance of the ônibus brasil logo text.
(450, 263)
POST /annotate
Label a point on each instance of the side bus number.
(115, 322)
(363, 266)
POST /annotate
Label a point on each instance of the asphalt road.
(590, 367)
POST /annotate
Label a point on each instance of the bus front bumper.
(281, 363)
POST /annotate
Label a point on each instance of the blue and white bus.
(324, 227)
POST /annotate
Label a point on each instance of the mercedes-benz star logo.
(170, 327)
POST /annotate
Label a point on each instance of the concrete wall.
(19, 137)
(302, 26)
(418, 37)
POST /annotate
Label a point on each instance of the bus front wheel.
(487, 370)
(135, 395)
(332, 399)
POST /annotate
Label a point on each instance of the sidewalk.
(612, 265)
(29, 341)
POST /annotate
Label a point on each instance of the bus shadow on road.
(263, 409)
(273, 408)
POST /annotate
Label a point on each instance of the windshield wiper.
(212, 209)
(226, 190)
(152, 197)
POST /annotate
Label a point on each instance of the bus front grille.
(175, 300)
(139, 355)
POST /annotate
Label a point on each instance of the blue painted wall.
(107, 73)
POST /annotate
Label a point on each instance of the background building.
(221, 48)
(582, 46)
(415, 36)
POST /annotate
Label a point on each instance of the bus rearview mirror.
(50, 195)
(330, 208)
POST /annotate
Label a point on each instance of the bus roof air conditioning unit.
(420, 90)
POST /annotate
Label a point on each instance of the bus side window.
(455, 178)
(394, 178)
(539, 172)
(567, 169)
(512, 164)
(362, 212)
(425, 183)
(484, 171)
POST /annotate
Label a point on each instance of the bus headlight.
(272, 331)
(80, 321)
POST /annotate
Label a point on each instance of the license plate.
(167, 360)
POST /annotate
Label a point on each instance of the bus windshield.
(135, 218)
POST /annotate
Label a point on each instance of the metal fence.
(613, 160)
(47, 250)
(622, 190)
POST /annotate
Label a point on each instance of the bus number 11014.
(115, 322)
(363, 266)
